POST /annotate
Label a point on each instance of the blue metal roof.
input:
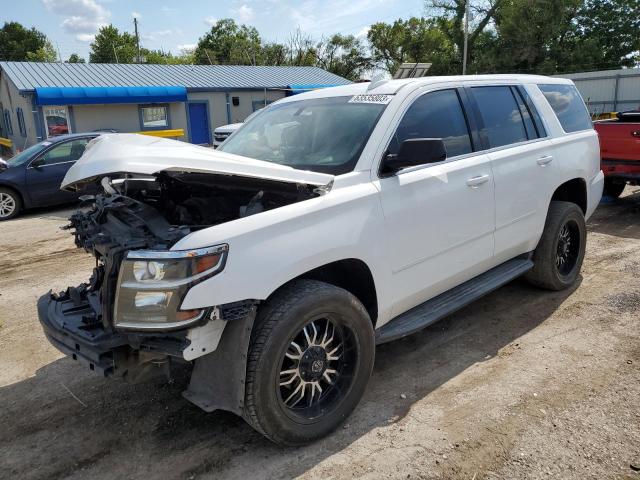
(27, 76)
(102, 95)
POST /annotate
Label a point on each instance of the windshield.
(27, 154)
(324, 135)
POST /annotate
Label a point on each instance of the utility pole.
(135, 27)
(466, 38)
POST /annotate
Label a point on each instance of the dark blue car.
(32, 178)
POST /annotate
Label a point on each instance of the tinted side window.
(435, 115)
(66, 152)
(501, 119)
(568, 106)
(533, 111)
(529, 126)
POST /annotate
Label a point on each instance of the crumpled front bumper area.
(72, 326)
(72, 322)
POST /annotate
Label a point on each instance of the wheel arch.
(351, 274)
(574, 191)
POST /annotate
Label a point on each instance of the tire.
(270, 406)
(613, 188)
(10, 204)
(556, 261)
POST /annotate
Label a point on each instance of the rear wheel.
(613, 188)
(10, 204)
(560, 252)
(310, 360)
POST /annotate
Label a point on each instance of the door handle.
(542, 161)
(635, 133)
(475, 182)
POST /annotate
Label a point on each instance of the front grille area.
(221, 137)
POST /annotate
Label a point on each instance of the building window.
(7, 122)
(258, 104)
(21, 124)
(154, 117)
(57, 121)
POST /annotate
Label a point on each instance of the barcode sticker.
(371, 98)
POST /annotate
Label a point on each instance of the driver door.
(439, 217)
(46, 172)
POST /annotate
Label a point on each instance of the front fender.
(271, 248)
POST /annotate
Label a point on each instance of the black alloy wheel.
(316, 368)
(568, 247)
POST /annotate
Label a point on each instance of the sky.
(174, 25)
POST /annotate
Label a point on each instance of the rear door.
(46, 172)
(439, 218)
(523, 165)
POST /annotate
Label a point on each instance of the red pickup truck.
(620, 151)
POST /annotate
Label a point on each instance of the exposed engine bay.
(160, 210)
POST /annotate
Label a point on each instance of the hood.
(3, 165)
(145, 155)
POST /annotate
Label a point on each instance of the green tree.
(229, 44)
(75, 58)
(111, 46)
(412, 40)
(547, 36)
(606, 35)
(46, 53)
(166, 58)
(17, 42)
(449, 17)
(301, 50)
(273, 54)
(531, 35)
(344, 55)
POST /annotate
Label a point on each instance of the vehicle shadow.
(64, 422)
(620, 217)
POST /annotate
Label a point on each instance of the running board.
(448, 302)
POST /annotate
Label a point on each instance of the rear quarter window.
(568, 106)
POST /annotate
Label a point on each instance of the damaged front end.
(127, 320)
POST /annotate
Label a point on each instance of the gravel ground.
(523, 384)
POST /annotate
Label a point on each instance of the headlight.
(152, 285)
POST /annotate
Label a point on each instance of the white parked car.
(220, 134)
(336, 220)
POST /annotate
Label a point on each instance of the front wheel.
(10, 204)
(310, 359)
(560, 252)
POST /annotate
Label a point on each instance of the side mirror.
(415, 151)
(38, 162)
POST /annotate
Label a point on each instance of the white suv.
(334, 221)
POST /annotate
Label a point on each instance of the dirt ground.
(522, 384)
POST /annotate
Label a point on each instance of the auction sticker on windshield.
(371, 98)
